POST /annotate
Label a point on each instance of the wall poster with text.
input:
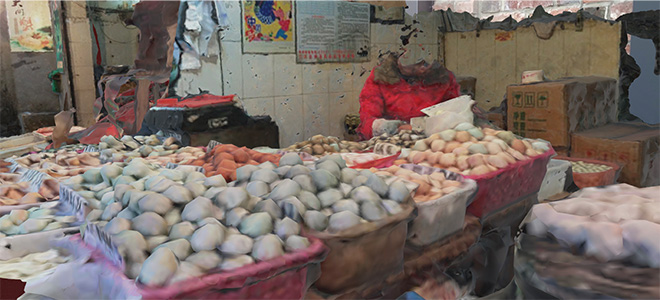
(332, 31)
(268, 27)
(30, 29)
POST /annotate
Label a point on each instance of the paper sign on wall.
(30, 29)
(268, 27)
(332, 31)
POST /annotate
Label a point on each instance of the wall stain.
(22, 63)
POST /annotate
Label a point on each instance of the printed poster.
(268, 27)
(29, 26)
(332, 31)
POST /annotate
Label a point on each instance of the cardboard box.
(634, 146)
(497, 119)
(553, 110)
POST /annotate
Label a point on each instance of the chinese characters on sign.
(268, 27)
(332, 31)
(29, 26)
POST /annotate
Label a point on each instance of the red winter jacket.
(401, 100)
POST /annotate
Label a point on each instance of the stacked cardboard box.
(578, 116)
(634, 146)
(553, 110)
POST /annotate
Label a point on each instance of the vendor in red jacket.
(394, 93)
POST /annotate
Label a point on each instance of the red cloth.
(400, 101)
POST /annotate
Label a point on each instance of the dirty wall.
(304, 99)
(25, 90)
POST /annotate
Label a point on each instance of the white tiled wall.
(308, 99)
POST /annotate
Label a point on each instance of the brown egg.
(506, 156)
(419, 157)
(493, 148)
(423, 188)
(531, 152)
(412, 154)
(461, 151)
(448, 160)
(517, 155)
(488, 131)
(437, 145)
(497, 161)
(453, 169)
(462, 136)
(518, 145)
(479, 170)
(462, 162)
(475, 160)
(439, 176)
(434, 157)
(451, 146)
(448, 183)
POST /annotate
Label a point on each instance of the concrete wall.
(520, 9)
(497, 58)
(25, 85)
(118, 42)
(82, 62)
(304, 99)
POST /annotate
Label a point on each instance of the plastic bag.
(448, 114)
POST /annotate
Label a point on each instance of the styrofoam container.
(439, 218)
(554, 181)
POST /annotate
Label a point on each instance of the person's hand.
(381, 126)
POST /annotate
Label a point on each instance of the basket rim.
(231, 279)
(546, 155)
(615, 167)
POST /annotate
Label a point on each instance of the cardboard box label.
(542, 100)
(553, 110)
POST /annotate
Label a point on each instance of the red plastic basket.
(502, 187)
(285, 277)
(584, 180)
(195, 102)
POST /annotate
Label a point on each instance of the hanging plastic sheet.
(199, 23)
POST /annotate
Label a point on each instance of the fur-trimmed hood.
(390, 70)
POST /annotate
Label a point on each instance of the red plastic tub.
(502, 187)
(584, 180)
(285, 277)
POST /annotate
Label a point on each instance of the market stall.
(178, 192)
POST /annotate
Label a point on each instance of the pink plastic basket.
(502, 187)
(285, 277)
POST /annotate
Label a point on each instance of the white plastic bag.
(448, 114)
